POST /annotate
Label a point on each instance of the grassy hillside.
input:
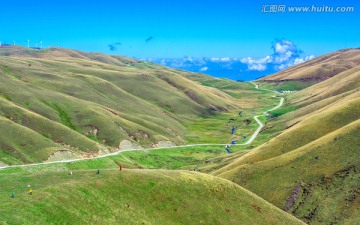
(322, 177)
(74, 104)
(89, 103)
(306, 130)
(321, 67)
(113, 197)
(310, 166)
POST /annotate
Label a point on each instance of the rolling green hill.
(132, 197)
(310, 167)
(60, 101)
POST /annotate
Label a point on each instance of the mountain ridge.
(99, 99)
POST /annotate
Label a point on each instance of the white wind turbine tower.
(41, 45)
(14, 42)
(28, 41)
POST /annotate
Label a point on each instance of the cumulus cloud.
(250, 60)
(224, 59)
(285, 54)
(283, 46)
(257, 64)
(257, 67)
(301, 60)
(114, 47)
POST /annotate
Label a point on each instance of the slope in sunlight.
(56, 100)
(134, 197)
(311, 72)
(311, 167)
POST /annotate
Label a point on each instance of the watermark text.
(306, 9)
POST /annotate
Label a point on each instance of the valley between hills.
(293, 139)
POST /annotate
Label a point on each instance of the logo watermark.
(306, 9)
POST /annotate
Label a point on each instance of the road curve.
(251, 139)
(255, 134)
(257, 87)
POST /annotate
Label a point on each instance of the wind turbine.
(28, 41)
(41, 45)
(14, 43)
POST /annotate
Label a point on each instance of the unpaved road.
(251, 139)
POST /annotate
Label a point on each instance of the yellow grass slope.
(311, 167)
(305, 129)
(88, 103)
(320, 68)
(325, 172)
(333, 89)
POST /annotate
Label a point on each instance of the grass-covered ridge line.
(305, 160)
(312, 157)
(108, 99)
(112, 197)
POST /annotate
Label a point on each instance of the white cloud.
(189, 59)
(298, 61)
(250, 60)
(309, 57)
(226, 59)
(283, 46)
(281, 49)
(257, 64)
(285, 54)
(301, 60)
(163, 62)
(281, 66)
(257, 67)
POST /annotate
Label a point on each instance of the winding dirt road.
(251, 139)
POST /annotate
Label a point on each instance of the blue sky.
(177, 29)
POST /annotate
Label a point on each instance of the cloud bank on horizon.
(285, 54)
